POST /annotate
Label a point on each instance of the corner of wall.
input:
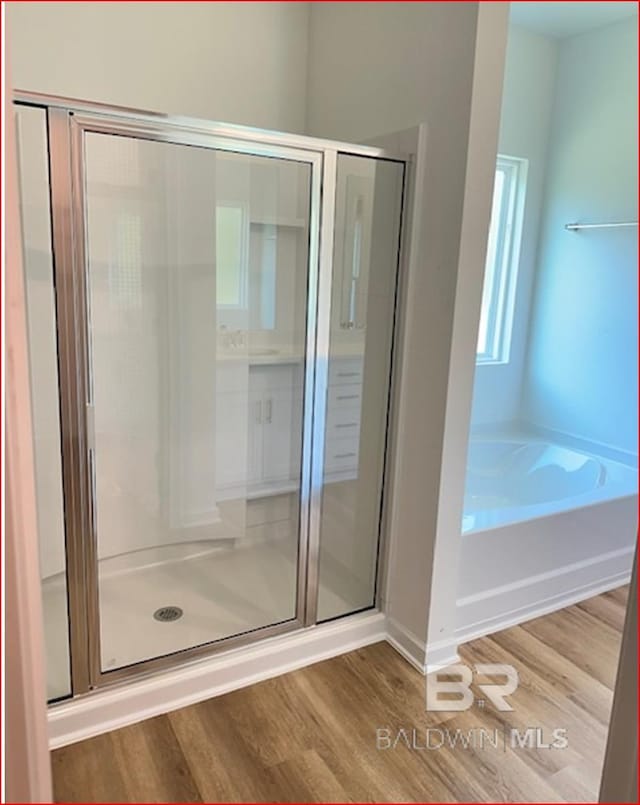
(491, 38)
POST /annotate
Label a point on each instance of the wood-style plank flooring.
(310, 735)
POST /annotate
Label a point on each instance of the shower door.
(221, 345)
(193, 283)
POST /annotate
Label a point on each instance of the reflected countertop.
(267, 356)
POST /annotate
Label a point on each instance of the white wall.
(574, 316)
(582, 364)
(236, 62)
(379, 67)
(527, 103)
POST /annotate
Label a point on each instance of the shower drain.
(167, 614)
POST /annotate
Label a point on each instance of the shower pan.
(211, 315)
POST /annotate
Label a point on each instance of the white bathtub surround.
(520, 601)
(545, 525)
(520, 477)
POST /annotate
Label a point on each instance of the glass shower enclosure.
(211, 315)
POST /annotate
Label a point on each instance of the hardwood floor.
(311, 735)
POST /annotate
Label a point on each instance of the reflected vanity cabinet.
(275, 429)
(258, 428)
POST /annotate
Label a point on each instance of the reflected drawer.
(347, 396)
(341, 455)
(343, 423)
(344, 371)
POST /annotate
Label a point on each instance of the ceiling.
(567, 19)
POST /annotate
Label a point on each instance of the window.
(503, 252)
(246, 269)
(231, 256)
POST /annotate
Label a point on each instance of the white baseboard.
(129, 703)
(486, 613)
(441, 654)
(437, 655)
(407, 644)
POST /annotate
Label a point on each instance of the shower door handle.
(269, 416)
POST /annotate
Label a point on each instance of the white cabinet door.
(277, 435)
(255, 437)
(232, 449)
(274, 442)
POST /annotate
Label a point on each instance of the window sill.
(491, 362)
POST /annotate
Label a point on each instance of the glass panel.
(368, 209)
(38, 267)
(197, 273)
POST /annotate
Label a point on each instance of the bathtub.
(516, 479)
(544, 525)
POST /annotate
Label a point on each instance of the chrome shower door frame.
(67, 122)
(67, 166)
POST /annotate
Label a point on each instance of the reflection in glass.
(366, 243)
(197, 266)
(45, 410)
